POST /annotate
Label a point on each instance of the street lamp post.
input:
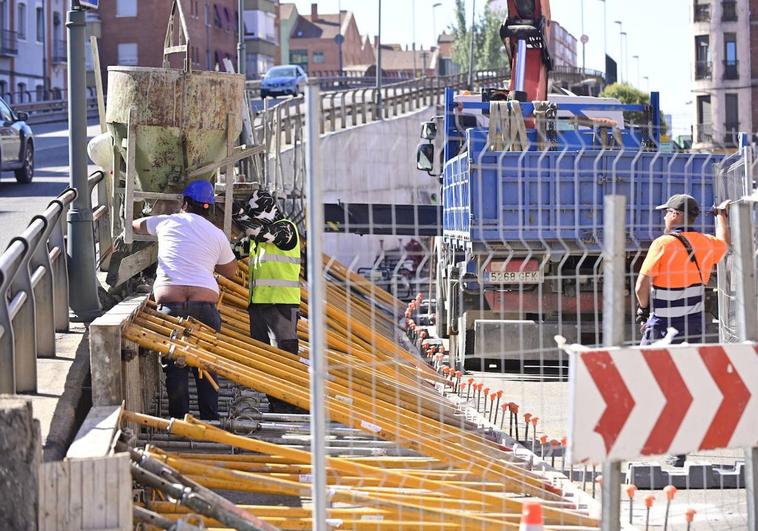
(605, 39)
(434, 20)
(413, 31)
(621, 51)
(379, 113)
(584, 39)
(471, 49)
(647, 83)
(637, 59)
(626, 55)
(241, 51)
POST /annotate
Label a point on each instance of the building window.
(702, 10)
(126, 8)
(703, 132)
(299, 57)
(730, 56)
(732, 119)
(729, 11)
(318, 58)
(22, 93)
(702, 57)
(217, 20)
(127, 53)
(21, 20)
(3, 88)
(40, 25)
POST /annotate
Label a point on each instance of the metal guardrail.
(34, 288)
(51, 110)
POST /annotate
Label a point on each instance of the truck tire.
(441, 301)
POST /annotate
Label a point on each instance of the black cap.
(683, 203)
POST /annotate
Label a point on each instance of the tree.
(627, 94)
(489, 52)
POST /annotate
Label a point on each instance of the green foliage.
(489, 53)
(627, 94)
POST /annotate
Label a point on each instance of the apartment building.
(261, 36)
(134, 31)
(724, 64)
(32, 49)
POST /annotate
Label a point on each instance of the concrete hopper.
(181, 121)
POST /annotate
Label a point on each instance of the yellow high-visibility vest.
(274, 274)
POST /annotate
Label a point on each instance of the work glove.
(643, 314)
(241, 248)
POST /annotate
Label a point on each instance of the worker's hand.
(643, 314)
(723, 208)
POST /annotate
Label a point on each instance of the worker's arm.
(723, 232)
(642, 290)
(229, 270)
(139, 226)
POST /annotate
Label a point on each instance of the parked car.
(283, 80)
(16, 143)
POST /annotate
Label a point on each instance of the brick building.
(133, 32)
(261, 36)
(313, 41)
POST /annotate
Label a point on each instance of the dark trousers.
(177, 378)
(281, 321)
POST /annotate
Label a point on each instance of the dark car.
(283, 80)
(16, 143)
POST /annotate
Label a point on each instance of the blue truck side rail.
(539, 198)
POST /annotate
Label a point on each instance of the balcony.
(730, 70)
(728, 11)
(702, 12)
(60, 53)
(703, 70)
(703, 134)
(8, 43)
(731, 133)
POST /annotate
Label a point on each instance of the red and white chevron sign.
(631, 402)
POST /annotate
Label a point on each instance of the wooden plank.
(88, 493)
(98, 83)
(75, 494)
(100, 493)
(47, 502)
(125, 492)
(62, 488)
(111, 494)
(95, 437)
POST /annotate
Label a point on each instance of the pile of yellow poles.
(374, 385)
(401, 494)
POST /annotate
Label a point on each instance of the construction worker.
(190, 249)
(273, 245)
(676, 271)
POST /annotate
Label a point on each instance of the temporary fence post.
(740, 217)
(316, 317)
(614, 246)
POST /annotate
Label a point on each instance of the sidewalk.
(63, 395)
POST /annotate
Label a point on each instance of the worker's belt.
(269, 257)
(670, 303)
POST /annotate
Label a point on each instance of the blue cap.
(200, 191)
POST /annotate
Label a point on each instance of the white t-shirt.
(189, 248)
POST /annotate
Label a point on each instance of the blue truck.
(518, 259)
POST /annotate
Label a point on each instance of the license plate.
(517, 277)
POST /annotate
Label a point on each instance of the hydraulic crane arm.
(525, 33)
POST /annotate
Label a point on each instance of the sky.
(658, 31)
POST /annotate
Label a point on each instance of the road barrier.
(35, 289)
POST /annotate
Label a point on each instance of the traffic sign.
(632, 402)
(339, 39)
(585, 39)
(90, 4)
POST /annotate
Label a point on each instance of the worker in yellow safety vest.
(273, 245)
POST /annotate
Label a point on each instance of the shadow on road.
(33, 189)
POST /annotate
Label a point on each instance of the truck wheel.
(439, 307)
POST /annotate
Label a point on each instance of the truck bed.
(549, 198)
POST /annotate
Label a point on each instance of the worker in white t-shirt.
(190, 250)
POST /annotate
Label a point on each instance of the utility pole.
(584, 40)
(413, 31)
(620, 72)
(83, 296)
(241, 48)
(605, 39)
(379, 113)
(637, 58)
(471, 49)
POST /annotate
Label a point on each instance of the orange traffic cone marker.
(531, 517)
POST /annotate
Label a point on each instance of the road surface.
(20, 202)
